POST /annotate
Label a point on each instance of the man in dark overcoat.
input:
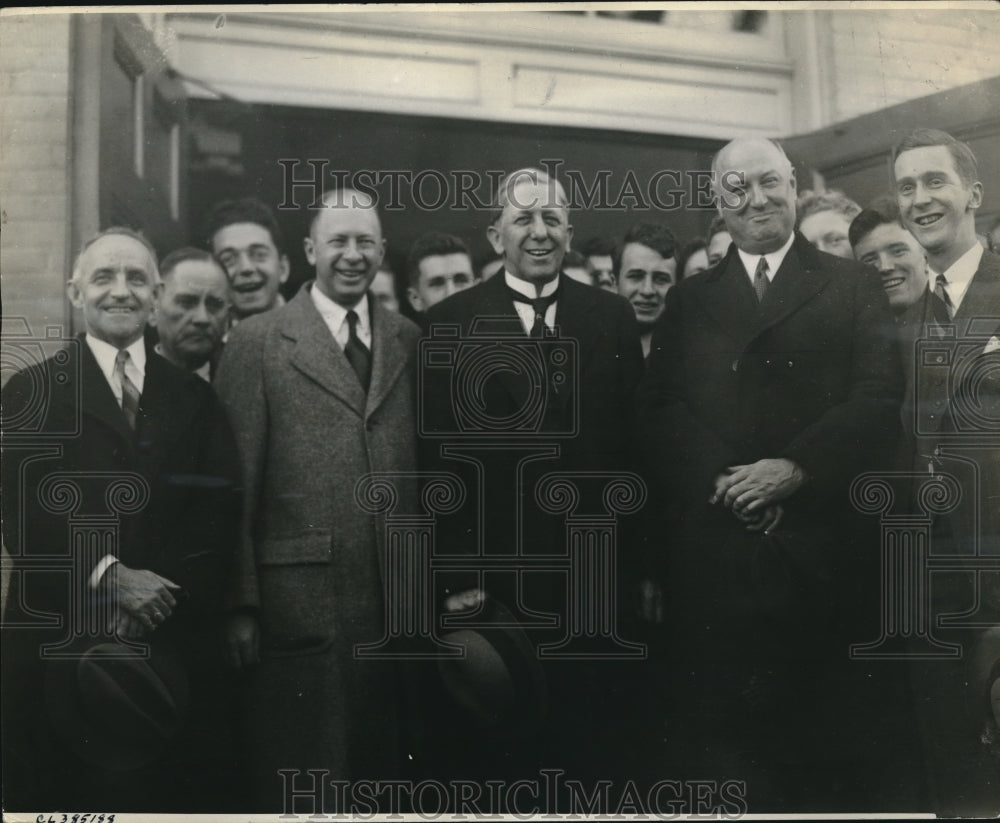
(120, 498)
(772, 382)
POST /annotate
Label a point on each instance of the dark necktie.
(942, 294)
(357, 352)
(760, 281)
(539, 305)
(130, 394)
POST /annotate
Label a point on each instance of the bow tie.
(539, 306)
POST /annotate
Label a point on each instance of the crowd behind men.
(748, 376)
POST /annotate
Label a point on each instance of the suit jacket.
(811, 375)
(311, 561)
(61, 416)
(952, 402)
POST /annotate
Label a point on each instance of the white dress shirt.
(135, 366)
(959, 274)
(774, 260)
(524, 310)
(335, 317)
(135, 370)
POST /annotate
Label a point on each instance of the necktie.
(942, 294)
(357, 352)
(760, 281)
(130, 394)
(539, 305)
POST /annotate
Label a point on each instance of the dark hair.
(597, 246)
(961, 154)
(685, 253)
(431, 244)
(879, 213)
(178, 256)
(244, 210)
(656, 237)
(573, 260)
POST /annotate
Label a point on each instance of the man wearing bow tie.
(320, 392)
(950, 342)
(583, 424)
(772, 382)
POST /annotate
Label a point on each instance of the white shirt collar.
(528, 289)
(105, 354)
(774, 259)
(960, 274)
(336, 315)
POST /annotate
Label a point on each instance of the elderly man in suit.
(320, 392)
(103, 411)
(951, 355)
(531, 300)
(772, 382)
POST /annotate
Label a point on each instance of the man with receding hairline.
(320, 392)
(772, 382)
(111, 409)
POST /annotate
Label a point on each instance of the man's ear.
(975, 196)
(285, 268)
(493, 235)
(569, 235)
(414, 298)
(310, 250)
(792, 180)
(73, 293)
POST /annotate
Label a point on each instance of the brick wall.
(880, 58)
(34, 167)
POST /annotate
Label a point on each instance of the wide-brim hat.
(114, 707)
(500, 681)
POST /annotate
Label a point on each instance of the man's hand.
(241, 641)
(464, 601)
(142, 595)
(765, 520)
(747, 489)
(129, 628)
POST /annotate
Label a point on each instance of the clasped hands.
(753, 492)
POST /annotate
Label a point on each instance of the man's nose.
(646, 287)
(201, 316)
(119, 286)
(244, 265)
(885, 263)
(538, 226)
(921, 194)
(449, 288)
(756, 196)
(351, 250)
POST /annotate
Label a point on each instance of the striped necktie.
(130, 394)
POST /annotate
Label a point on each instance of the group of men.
(747, 397)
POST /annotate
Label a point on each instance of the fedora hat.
(114, 707)
(499, 682)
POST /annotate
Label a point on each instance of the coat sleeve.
(240, 386)
(680, 452)
(851, 435)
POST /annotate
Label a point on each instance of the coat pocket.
(294, 577)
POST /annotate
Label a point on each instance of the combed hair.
(122, 231)
(879, 213)
(965, 160)
(243, 210)
(183, 255)
(429, 245)
(685, 253)
(531, 174)
(652, 235)
(810, 203)
(598, 247)
(717, 225)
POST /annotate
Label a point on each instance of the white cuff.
(102, 566)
